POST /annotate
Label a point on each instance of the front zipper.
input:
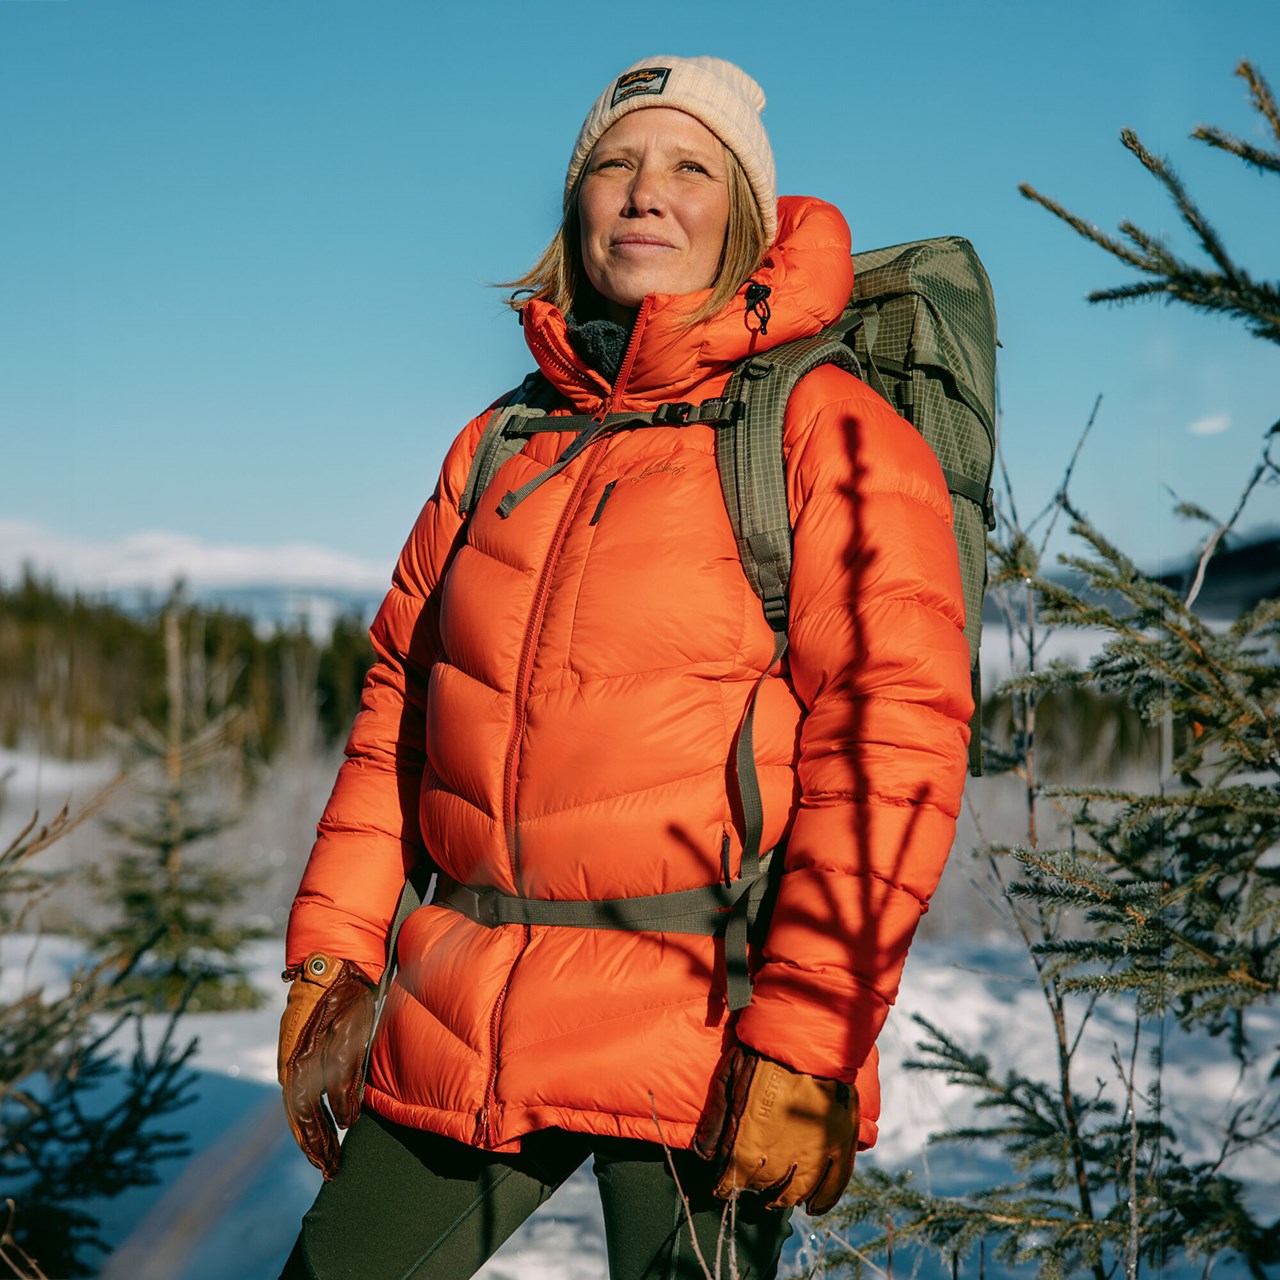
(483, 1135)
(524, 669)
(484, 1117)
(624, 372)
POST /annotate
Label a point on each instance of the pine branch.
(1263, 99)
(1161, 259)
(1089, 230)
(1263, 161)
(1072, 881)
(1229, 289)
(1163, 904)
(33, 838)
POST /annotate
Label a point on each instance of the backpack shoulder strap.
(752, 476)
(749, 459)
(502, 437)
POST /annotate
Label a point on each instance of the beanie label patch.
(641, 80)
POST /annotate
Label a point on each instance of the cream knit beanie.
(722, 96)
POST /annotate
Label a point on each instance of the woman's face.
(654, 208)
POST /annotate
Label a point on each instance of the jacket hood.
(809, 273)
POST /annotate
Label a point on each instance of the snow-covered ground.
(231, 1209)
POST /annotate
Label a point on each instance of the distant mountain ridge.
(285, 585)
(302, 584)
(270, 606)
(1236, 578)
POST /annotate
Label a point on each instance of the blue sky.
(244, 246)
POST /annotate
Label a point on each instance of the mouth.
(641, 242)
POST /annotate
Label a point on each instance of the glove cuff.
(322, 969)
(308, 1010)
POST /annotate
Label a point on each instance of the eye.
(692, 166)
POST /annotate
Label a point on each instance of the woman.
(562, 678)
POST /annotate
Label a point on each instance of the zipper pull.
(604, 497)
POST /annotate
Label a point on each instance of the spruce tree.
(1156, 906)
(176, 928)
(76, 1126)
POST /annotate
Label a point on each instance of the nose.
(646, 196)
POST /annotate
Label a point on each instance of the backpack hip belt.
(729, 910)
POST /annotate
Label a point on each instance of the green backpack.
(920, 329)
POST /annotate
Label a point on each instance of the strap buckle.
(673, 415)
(775, 611)
(721, 412)
(481, 905)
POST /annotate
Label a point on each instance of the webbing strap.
(701, 910)
(675, 414)
(752, 475)
(707, 910)
(411, 896)
(738, 979)
(514, 497)
(963, 487)
(868, 322)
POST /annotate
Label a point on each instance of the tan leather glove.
(787, 1135)
(323, 1037)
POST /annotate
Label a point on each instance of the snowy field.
(230, 1210)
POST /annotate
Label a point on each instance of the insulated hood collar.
(809, 275)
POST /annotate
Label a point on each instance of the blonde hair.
(558, 276)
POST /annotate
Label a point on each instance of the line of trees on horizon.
(76, 671)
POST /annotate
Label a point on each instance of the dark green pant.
(408, 1205)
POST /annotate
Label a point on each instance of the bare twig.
(863, 1258)
(684, 1200)
(21, 1265)
(33, 839)
(1055, 506)
(1127, 1078)
(1006, 482)
(1264, 468)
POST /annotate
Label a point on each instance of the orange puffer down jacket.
(554, 709)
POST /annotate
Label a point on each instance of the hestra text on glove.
(782, 1133)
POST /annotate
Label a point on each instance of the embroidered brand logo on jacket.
(642, 80)
(658, 469)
